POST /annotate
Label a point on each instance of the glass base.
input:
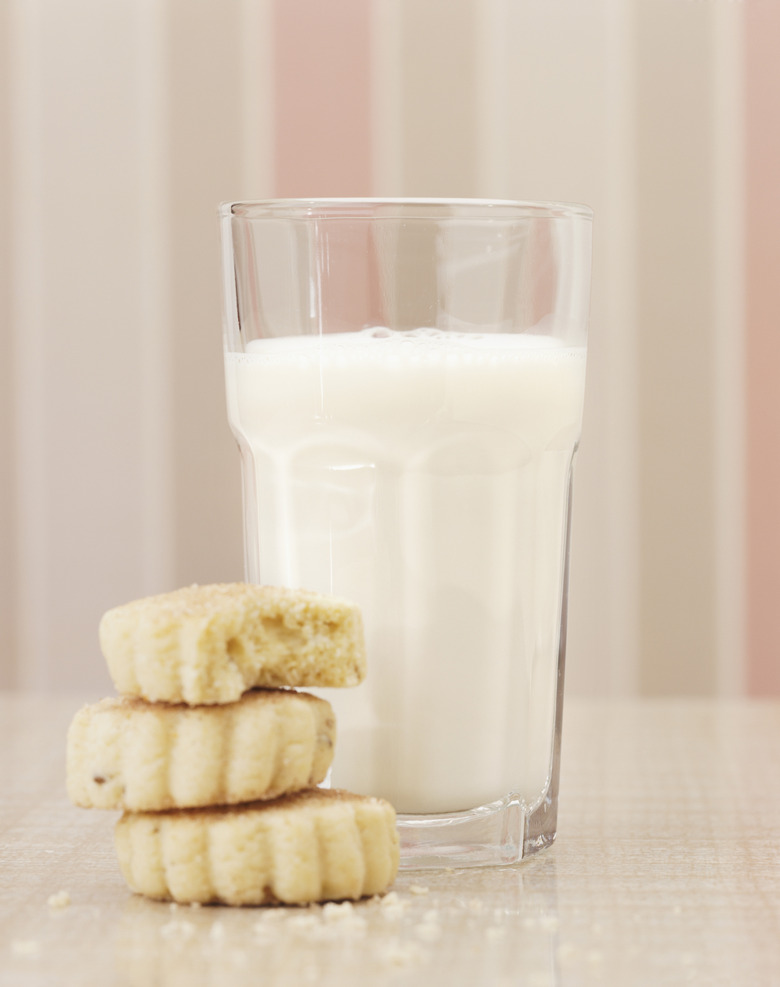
(503, 832)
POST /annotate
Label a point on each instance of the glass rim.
(350, 208)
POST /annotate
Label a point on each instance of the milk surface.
(425, 475)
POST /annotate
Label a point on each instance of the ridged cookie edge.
(311, 847)
(129, 754)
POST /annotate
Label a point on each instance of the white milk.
(424, 475)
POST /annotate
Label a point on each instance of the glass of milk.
(405, 380)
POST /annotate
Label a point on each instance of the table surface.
(666, 870)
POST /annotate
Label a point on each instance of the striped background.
(123, 124)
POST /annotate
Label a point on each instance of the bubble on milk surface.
(379, 341)
(422, 334)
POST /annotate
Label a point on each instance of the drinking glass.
(405, 381)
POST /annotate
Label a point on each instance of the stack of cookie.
(214, 755)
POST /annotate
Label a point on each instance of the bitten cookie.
(128, 754)
(209, 644)
(317, 845)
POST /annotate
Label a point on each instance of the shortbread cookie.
(130, 754)
(209, 644)
(317, 845)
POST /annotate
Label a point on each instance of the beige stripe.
(154, 337)
(439, 85)
(728, 93)
(206, 166)
(676, 290)
(762, 345)
(611, 426)
(496, 98)
(28, 463)
(439, 155)
(387, 98)
(257, 64)
(7, 389)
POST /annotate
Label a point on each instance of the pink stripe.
(323, 98)
(762, 89)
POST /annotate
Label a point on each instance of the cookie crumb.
(177, 930)
(59, 900)
(305, 920)
(393, 906)
(344, 916)
(334, 911)
(393, 912)
(428, 932)
(264, 933)
(400, 953)
(273, 915)
(418, 889)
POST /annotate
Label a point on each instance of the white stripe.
(728, 343)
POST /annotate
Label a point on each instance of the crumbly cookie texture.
(129, 754)
(209, 644)
(316, 845)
